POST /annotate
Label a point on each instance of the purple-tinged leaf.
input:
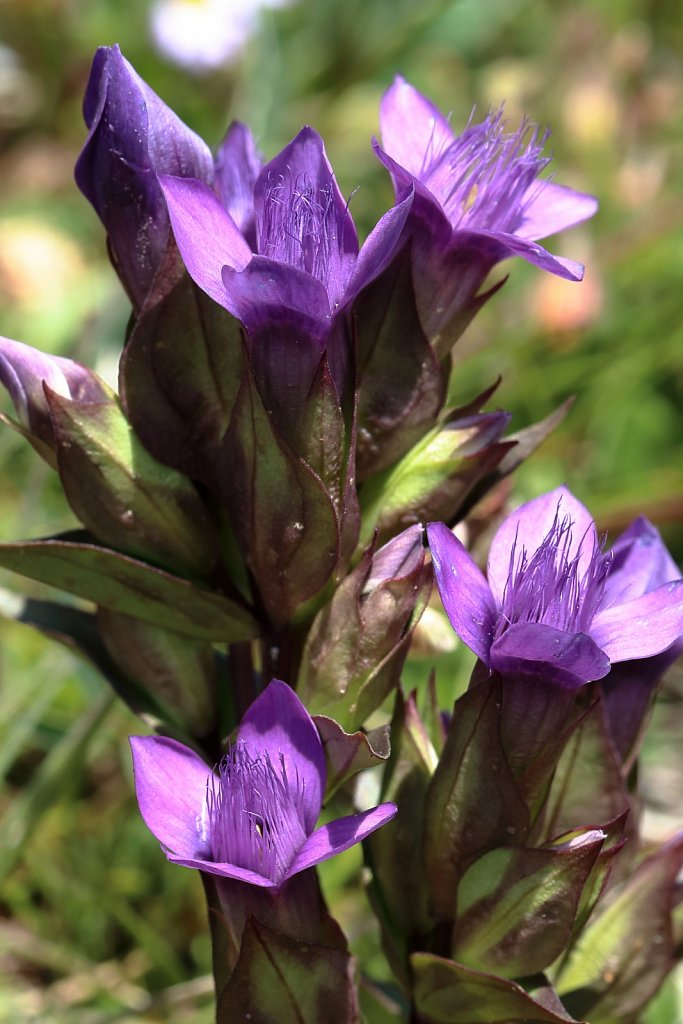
(348, 753)
(279, 980)
(450, 993)
(75, 563)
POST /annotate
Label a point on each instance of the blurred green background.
(95, 927)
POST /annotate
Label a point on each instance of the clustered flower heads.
(260, 484)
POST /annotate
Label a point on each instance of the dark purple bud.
(24, 371)
(133, 137)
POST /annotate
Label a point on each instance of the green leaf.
(624, 953)
(402, 383)
(517, 907)
(180, 374)
(75, 563)
(278, 980)
(473, 803)
(123, 495)
(449, 993)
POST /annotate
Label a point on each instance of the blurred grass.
(95, 926)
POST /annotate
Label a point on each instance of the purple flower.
(252, 818)
(478, 198)
(555, 604)
(134, 137)
(293, 291)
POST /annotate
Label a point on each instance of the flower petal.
(528, 526)
(640, 563)
(553, 208)
(464, 591)
(224, 871)
(170, 783)
(205, 233)
(339, 835)
(277, 723)
(380, 246)
(238, 165)
(532, 648)
(414, 131)
(267, 293)
(534, 253)
(642, 627)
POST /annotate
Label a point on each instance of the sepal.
(402, 384)
(180, 373)
(284, 518)
(348, 753)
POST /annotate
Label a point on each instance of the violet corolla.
(293, 291)
(479, 198)
(252, 818)
(555, 604)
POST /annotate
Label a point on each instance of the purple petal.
(238, 165)
(640, 563)
(425, 205)
(527, 527)
(133, 137)
(413, 131)
(278, 724)
(380, 246)
(554, 208)
(302, 219)
(205, 233)
(267, 293)
(339, 835)
(642, 627)
(532, 648)
(170, 783)
(534, 253)
(464, 591)
(225, 871)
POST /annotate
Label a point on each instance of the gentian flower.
(252, 818)
(293, 291)
(478, 199)
(133, 137)
(555, 604)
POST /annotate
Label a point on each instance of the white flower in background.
(204, 34)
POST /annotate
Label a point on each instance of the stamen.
(255, 811)
(484, 178)
(550, 587)
(298, 224)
